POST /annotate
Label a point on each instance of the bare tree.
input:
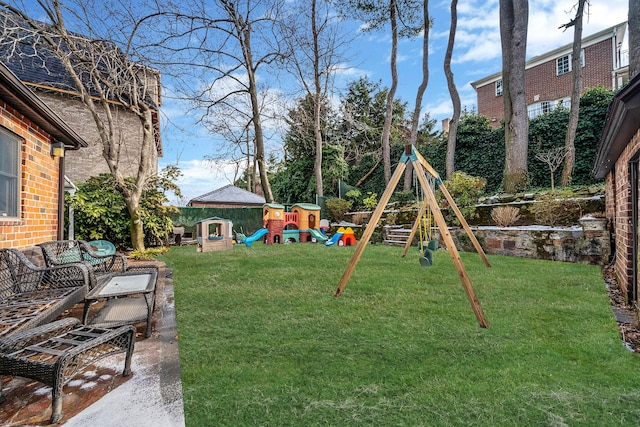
(400, 14)
(232, 45)
(415, 118)
(514, 17)
(553, 158)
(103, 78)
(576, 91)
(315, 41)
(634, 38)
(453, 91)
(386, 129)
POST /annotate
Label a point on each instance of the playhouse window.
(214, 230)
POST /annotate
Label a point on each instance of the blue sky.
(477, 54)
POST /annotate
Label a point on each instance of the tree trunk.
(453, 91)
(634, 38)
(256, 119)
(135, 225)
(415, 120)
(514, 16)
(388, 118)
(317, 101)
(576, 91)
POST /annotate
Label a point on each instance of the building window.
(563, 64)
(499, 88)
(545, 107)
(9, 174)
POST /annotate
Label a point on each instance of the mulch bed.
(626, 315)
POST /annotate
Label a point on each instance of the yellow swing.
(426, 260)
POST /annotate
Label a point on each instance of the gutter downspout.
(61, 198)
(71, 235)
(61, 185)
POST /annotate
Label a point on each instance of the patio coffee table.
(54, 353)
(122, 307)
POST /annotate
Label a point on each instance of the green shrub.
(466, 191)
(337, 208)
(100, 212)
(407, 197)
(354, 197)
(148, 254)
(371, 201)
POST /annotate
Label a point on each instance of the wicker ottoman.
(56, 352)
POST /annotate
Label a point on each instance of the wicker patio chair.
(59, 252)
(31, 296)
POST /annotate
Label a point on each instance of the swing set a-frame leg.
(371, 226)
(453, 206)
(451, 247)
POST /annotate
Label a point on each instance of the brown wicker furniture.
(60, 252)
(130, 299)
(54, 353)
(31, 296)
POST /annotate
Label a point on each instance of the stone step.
(394, 242)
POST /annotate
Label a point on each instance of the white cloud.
(478, 36)
(202, 176)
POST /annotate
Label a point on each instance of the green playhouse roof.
(308, 206)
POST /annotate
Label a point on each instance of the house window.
(563, 64)
(546, 107)
(499, 88)
(9, 174)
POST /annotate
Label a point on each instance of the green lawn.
(263, 341)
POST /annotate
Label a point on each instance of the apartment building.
(548, 77)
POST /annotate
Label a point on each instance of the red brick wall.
(542, 82)
(619, 191)
(38, 221)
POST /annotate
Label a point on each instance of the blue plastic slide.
(255, 236)
(334, 239)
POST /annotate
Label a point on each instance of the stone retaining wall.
(571, 244)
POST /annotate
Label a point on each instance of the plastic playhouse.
(301, 224)
(214, 234)
(342, 237)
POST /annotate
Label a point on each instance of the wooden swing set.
(421, 168)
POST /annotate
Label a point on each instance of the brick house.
(45, 74)
(33, 140)
(618, 161)
(548, 77)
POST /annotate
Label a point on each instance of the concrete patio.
(100, 395)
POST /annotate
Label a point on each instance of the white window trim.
(498, 87)
(569, 56)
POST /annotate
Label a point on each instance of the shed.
(228, 196)
(618, 160)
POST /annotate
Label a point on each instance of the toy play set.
(301, 224)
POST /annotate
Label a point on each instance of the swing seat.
(433, 245)
(427, 259)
